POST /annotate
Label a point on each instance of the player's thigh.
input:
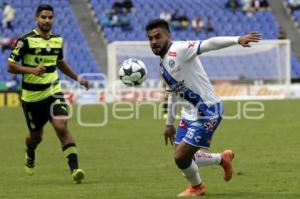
(36, 114)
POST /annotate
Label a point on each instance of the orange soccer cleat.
(226, 163)
(193, 191)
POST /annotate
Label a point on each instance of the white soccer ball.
(133, 72)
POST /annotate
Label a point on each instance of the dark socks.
(30, 148)
(70, 153)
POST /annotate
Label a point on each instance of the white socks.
(192, 174)
(205, 159)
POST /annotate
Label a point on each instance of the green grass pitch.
(127, 159)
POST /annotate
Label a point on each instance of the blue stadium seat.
(66, 25)
(225, 22)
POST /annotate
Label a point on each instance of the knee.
(60, 127)
(181, 161)
(178, 161)
(36, 138)
(39, 139)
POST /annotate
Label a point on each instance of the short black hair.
(42, 7)
(158, 23)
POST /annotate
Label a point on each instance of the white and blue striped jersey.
(185, 76)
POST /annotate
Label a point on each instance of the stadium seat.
(237, 23)
(66, 25)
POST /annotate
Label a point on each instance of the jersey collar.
(37, 33)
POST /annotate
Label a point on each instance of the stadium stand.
(77, 51)
(237, 23)
(294, 12)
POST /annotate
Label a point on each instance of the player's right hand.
(169, 134)
(38, 70)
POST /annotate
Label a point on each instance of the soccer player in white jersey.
(202, 110)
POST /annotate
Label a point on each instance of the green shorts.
(38, 113)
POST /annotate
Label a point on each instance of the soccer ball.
(133, 72)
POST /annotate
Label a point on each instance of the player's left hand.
(250, 37)
(84, 83)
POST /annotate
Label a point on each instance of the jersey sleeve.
(61, 53)
(189, 49)
(19, 50)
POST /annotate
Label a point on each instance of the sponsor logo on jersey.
(44, 60)
(175, 70)
(210, 125)
(172, 54)
(191, 44)
(172, 63)
(182, 124)
(20, 44)
(178, 88)
(48, 48)
(37, 50)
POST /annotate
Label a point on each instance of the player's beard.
(45, 27)
(162, 51)
(155, 52)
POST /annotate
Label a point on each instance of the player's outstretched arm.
(67, 70)
(217, 43)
